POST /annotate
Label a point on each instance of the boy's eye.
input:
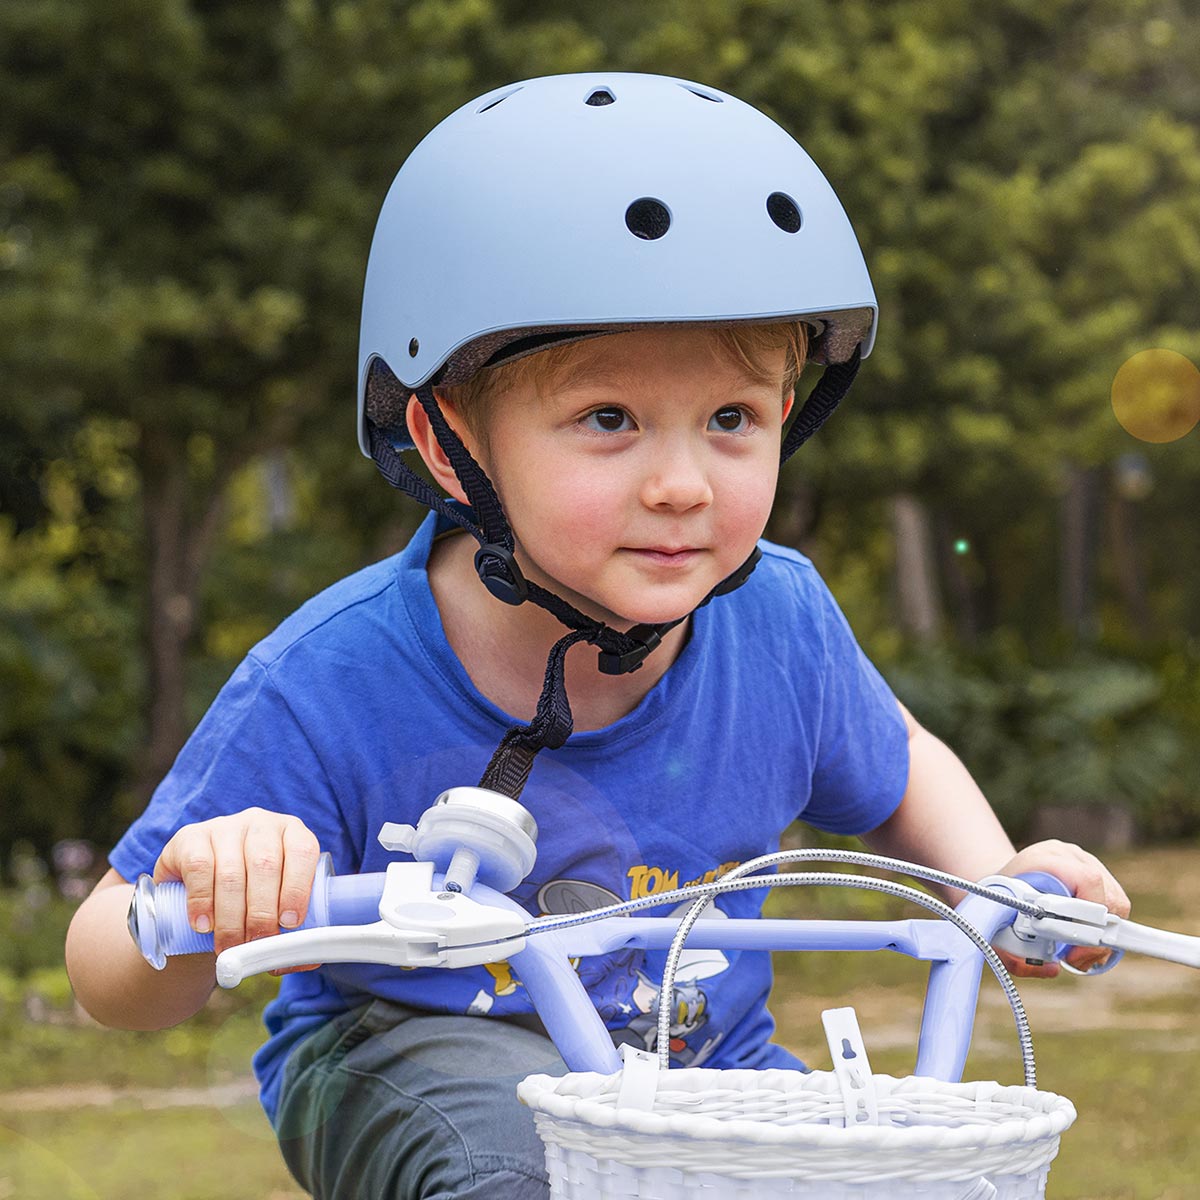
(608, 420)
(729, 420)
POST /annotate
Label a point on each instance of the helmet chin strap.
(619, 652)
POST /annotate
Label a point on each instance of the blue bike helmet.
(570, 207)
(587, 203)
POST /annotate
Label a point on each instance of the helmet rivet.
(648, 218)
(413, 347)
(783, 211)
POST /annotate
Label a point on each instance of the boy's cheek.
(743, 511)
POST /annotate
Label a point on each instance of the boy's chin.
(642, 607)
(636, 615)
(655, 614)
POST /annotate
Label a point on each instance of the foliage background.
(187, 192)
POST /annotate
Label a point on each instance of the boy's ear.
(788, 401)
(429, 448)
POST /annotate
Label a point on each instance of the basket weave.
(740, 1134)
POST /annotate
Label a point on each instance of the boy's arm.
(945, 821)
(246, 874)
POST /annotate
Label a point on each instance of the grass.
(1124, 1047)
(194, 1153)
(62, 1049)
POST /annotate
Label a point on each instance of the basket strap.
(639, 1078)
(851, 1066)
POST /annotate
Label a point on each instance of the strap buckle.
(647, 637)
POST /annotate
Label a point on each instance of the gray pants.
(385, 1103)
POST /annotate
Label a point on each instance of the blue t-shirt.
(356, 711)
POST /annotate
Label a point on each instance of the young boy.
(587, 304)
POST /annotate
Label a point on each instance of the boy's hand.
(1087, 877)
(246, 874)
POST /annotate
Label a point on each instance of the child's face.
(641, 477)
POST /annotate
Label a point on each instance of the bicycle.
(619, 1124)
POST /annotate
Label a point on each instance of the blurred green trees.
(186, 199)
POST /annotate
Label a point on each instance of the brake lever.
(1070, 921)
(417, 927)
(377, 943)
(1123, 934)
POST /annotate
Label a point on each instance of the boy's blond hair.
(746, 344)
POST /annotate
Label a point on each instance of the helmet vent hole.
(781, 208)
(414, 348)
(648, 218)
(498, 100)
(600, 97)
(702, 95)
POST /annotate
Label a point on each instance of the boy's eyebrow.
(574, 376)
(580, 376)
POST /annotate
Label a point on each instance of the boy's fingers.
(1024, 970)
(188, 857)
(167, 868)
(1083, 958)
(1115, 899)
(300, 855)
(1097, 883)
(229, 893)
(263, 849)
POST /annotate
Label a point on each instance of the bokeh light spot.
(962, 546)
(1156, 395)
(29, 1171)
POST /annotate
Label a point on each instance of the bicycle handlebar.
(417, 914)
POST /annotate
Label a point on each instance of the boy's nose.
(678, 481)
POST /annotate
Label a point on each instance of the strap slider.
(500, 574)
(647, 638)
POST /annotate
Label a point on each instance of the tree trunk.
(281, 504)
(957, 571)
(1078, 553)
(1127, 563)
(176, 546)
(917, 595)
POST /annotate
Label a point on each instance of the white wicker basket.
(738, 1134)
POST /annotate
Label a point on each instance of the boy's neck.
(504, 648)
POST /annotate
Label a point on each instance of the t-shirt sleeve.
(860, 770)
(249, 750)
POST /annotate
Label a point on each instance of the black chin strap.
(549, 729)
(495, 561)
(826, 395)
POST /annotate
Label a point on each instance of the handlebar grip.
(158, 920)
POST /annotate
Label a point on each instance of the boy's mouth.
(668, 556)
